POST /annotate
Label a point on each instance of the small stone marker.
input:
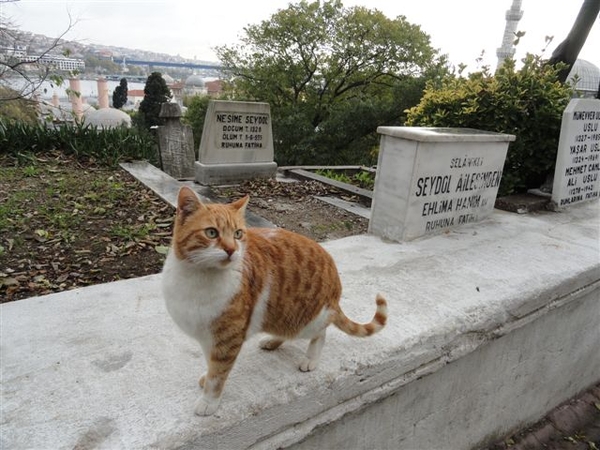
(236, 144)
(430, 180)
(176, 143)
(576, 176)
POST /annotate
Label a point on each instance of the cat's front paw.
(306, 365)
(206, 407)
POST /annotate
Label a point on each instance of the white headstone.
(577, 172)
(433, 179)
(236, 144)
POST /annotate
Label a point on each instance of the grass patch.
(362, 178)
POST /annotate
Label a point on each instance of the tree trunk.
(568, 50)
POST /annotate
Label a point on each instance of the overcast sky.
(460, 28)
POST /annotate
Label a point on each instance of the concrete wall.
(481, 397)
(490, 326)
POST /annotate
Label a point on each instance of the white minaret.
(513, 15)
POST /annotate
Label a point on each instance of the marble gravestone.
(176, 143)
(577, 171)
(430, 180)
(236, 144)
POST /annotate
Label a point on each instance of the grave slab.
(236, 144)
(577, 173)
(430, 180)
(167, 188)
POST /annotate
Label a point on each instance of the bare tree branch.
(30, 73)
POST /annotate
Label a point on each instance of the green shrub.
(107, 146)
(528, 103)
(362, 179)
(13, 108)
(195, 115)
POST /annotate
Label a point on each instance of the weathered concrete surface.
(490, 326)
(477, 398)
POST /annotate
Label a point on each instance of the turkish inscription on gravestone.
(462, 190)
(577, 172)
(240, 130)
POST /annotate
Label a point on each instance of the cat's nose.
(229, 251)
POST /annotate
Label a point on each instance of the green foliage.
(331, 75)
(362, 179)
(107, 146)
(195, 115)
(156, 92)
(14, 108)
(100, 65)
(528, 103)
(120, 94)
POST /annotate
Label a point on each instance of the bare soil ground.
(292, 205)
(65, 223)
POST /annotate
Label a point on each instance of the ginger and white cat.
(223, 282)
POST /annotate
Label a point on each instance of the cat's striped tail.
(363, 329)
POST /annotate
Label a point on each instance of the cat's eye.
(238, 234)
(211, 233)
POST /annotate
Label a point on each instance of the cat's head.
(208, 235)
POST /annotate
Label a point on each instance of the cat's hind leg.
(313, 353)
(270, 343)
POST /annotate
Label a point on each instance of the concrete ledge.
(218, 174)
(490, 327)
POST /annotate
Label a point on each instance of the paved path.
(574, 425)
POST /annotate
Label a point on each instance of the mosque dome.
(108, 118)
(62, 112)
(86, 108)
(588, 77)
(194, 81)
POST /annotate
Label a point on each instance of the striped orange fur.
(223, 282)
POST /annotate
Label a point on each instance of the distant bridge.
(137, 62)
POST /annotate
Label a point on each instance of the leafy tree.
(528, 103)
(156, 92)
(120, 94)
(331, 75)
(196, 105)
(94, 64)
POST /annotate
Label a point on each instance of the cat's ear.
(187, 202)
(241, 204)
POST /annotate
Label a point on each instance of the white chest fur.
(195, 297)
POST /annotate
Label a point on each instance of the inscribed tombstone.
(236, 144)
(576, 176)
(433, 179)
